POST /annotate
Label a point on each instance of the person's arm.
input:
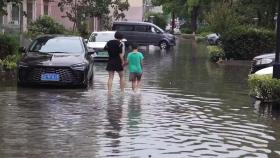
(121, 53)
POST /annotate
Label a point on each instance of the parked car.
(262, 61)
(265, 71)
(144, 33)
(56, 60)
(97, 42)
(213, 38)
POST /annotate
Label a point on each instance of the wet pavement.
(188, 107)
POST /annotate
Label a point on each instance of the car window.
(57, 45)
(141, 28)
(154, 30)
(124, 27)
(101, 37)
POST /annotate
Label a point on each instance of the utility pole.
(276, 66)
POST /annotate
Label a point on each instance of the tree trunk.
(194, 17)
(173, 22)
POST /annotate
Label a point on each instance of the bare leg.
(134, 85)
(138, 84)
(110, 81)
(122, 84)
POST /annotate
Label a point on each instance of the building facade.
(19, 17)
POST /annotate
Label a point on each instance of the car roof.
(133, 22)
(58, 35)
(112, 32)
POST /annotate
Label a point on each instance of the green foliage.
(8, 45)
(10, 62)
(158, 19)
(222, 18)
(79, 12)
(215, 53)
(45, 25)
(186, 30)
(264, 87)
(244, 43)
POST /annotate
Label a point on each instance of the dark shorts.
(114, 65)
(135, 76)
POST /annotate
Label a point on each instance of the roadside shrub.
(158, 19)
(45, 25)
(186, 30)
(264, 87)
(222, 18)
(10, 62)
(244, 43)
(8, 45)
(199, 38)
(215, 53)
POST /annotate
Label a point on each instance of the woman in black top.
(116, 60)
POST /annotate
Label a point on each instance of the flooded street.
(188, 107)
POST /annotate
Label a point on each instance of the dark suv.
(144, 33)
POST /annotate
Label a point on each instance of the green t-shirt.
(134, 62)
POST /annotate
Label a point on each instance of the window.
(124, 28)
(155, 30)
(15, 14)
(57, 45)
(29, 12)
(46, 7)
(141, 28)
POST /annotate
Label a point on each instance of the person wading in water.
(116, 60)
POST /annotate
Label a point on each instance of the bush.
(265, 87)
(246, 42)
(186, 30)
(45, 25)
(215, 53)
(222, 18)
(8, 45)
(158, 19)
(10, 62)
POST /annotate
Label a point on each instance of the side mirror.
(22, 49)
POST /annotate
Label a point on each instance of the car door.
(140, 35)
(154, 35)
(127, 31)
(90, 58)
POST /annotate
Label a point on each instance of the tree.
(260, 12)
(80, 10)
(175, 8)
(3, 5)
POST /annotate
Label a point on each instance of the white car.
(97, 42)
(265, 71)
(213, 38)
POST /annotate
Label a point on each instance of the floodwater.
(187, 107)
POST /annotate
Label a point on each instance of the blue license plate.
(49, 77)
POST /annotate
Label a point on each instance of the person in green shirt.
(135, 67)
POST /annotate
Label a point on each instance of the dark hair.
(134, 46)
(118, 35)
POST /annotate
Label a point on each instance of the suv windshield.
(101, 37)
(57, 45)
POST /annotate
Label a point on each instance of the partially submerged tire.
(164, 45)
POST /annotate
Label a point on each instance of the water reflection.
(188, 107)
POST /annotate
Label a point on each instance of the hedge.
(215, 53)
(9, 45)
(45, 25)
(265, 87)
(244, 43)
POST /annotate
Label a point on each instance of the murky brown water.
(187, 107)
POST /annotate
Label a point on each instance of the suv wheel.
(163, 45)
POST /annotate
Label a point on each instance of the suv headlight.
(80, 66)
(263, 61)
